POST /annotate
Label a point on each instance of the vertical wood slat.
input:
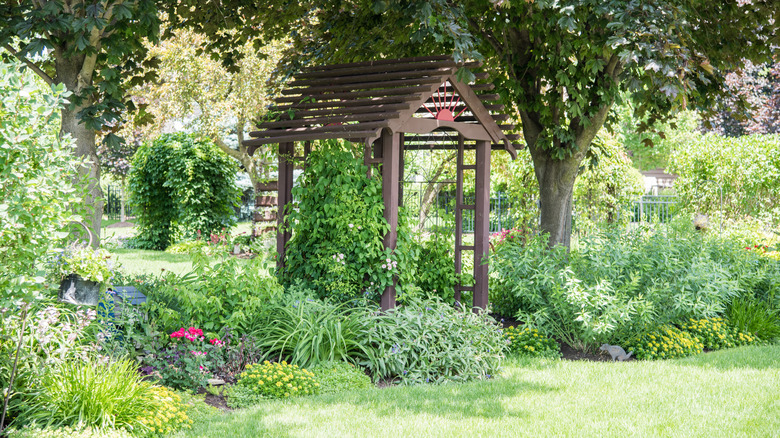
(391, 148)
(481, 225)
(286, 166)
(459, 215)
(402, 164)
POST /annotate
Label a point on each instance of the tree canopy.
(96, 49)
(560, 63)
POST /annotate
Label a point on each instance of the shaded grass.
(714, 394)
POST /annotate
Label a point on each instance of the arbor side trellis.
(391, 106)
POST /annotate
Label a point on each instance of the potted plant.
(83, 273)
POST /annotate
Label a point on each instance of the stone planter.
(76, 290)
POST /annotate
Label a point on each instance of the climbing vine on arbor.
(181, 184)
(336, 247)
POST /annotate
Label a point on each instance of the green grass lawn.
(136, 261)
(722, 394)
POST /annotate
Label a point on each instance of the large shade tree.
(96, 49)
(560, 63)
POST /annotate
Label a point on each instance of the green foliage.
(340, 376)
(181, 185)
(278, 380)
(617, 283)
(431, 342)
(92, 394)
(746, 168)
(37, 171)
(434, 272)
(90, 264)
(753, 316)
(226, 293)
(54, 333)
(185, 363)
(528, 341)
(521, 273)
(516, 178)
(187, 247)
(338, 227)
(607, 186)
(665, 342)
(307, 331)
(167, 412)
(67, 432)
(715, 334)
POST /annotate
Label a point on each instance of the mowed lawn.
(720, 394)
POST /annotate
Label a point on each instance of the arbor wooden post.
(285, 184)
(481, 225)
(391, 149)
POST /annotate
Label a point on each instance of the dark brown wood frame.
(379, 103)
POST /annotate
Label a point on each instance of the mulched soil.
(218, 401)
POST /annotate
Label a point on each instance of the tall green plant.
(181, 184)
(37, 171)
(746, 168)
(338, 226)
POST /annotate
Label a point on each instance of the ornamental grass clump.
(529, 342)
(107, 396)
(665, 342)
(278, 380)
(715, 333)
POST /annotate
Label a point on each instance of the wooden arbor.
(390, 106)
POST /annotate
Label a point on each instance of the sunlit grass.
(728, 393)
(136, 261)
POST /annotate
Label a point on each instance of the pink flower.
(198, 353)
(216, 342)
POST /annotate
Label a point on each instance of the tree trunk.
(430, 193)
(556, 188)
(89, 172)
(75, 72)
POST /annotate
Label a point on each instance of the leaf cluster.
(37, 172)
(180, 185)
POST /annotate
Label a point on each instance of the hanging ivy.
(336, 248)
(181, 184)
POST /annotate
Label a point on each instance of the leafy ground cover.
(731, 392)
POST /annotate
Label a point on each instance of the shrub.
(745, 167)
(166, 413)
(37, 171)
(308, 331)
(185, 363)
(754, 317)
(665, 342)
(187, 247)
(278, 380)
(616, 283)
(227, 293)
(340, 376)
(430, 341)
(92, 394)
(715, 334)
(530, 342)
(180, 184)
